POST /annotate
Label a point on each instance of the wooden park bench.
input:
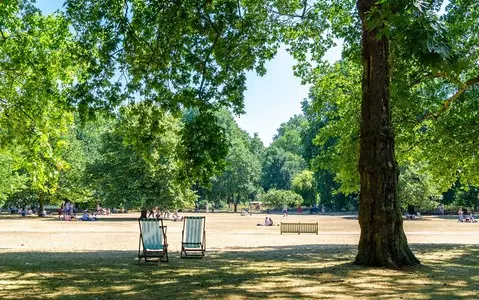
(299, 228)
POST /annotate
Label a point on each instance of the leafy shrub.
(281, 198)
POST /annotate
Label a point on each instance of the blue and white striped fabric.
(194, 232)
(152, 234)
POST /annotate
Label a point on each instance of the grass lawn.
(41, 259)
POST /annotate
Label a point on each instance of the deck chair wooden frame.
(152, 245)
(193, 237)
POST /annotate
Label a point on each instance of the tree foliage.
(37, 70)
(281, 198)
(417, 188)
(139, 163)
(279, 168)
(240, 178)
(12, 178)
(288, 136)
(189, 53)
(305, 186)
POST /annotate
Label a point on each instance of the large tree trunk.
(382, 242)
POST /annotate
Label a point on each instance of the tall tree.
(416, 33)
(279, 168)
(240, 177)
(304, 184)
(37, 70)
(257, 147)
(139, 164)
(382, 240)
(288, 136)
(242, 172)
(322, 145)
(84, 144)
(12, 179)
(417, 188)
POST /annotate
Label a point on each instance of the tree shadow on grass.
(290, 272)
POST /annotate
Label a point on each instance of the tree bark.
(41, 204)
(382, 241)
(235, 203)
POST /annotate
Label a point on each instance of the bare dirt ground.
(224, 231)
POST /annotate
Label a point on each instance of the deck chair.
(193, 241)
(152, 243)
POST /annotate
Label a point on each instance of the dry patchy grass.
(246, 263)
(448, 271)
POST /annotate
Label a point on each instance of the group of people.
(101, 210)
(267, 222)
(24, 211)
(177, 217)
(157, 213)
(412, 216)
(68, 212)
(466, 219)
(86, 216)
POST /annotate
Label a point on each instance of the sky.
(269, 100)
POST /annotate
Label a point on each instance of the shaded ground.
(47, 258)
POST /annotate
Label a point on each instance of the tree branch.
(296, 16)
(203, 76)
(24, 112)
(447, 104)
(305, 5)
(437, 75)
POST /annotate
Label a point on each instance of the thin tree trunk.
(41, 204)
(382, 241)
(235, 203)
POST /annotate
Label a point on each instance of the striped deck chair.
(193, 241)
(152, 242)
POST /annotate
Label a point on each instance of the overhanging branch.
(438, 75)
(447, 104)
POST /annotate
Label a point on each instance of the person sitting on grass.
(177, 217)
(86, 217)
(268, 222)
(245, 213)
(471, 218)
(60, 211)
(152, 213)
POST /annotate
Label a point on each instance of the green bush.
(281, 198)
(202, 204)
(220, 205)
